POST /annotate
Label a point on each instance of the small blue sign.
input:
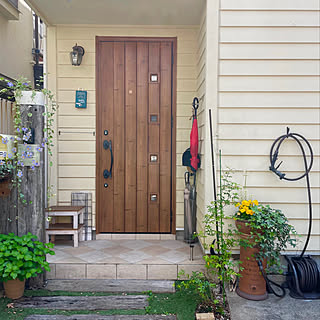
(81, 99)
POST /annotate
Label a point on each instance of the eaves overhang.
(119, 12)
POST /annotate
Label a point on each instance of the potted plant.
(264, 233)
(21, 258)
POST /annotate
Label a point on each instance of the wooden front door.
(135, 84)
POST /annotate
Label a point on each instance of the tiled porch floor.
(124, 259)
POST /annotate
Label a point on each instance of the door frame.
(173, 40)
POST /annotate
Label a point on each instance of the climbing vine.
(18, 145)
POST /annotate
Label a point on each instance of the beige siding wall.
(268, 80)
(201, 92)
(16, 44)
(76, 152)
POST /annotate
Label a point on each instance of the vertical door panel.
(105, 195)
(165, 136)
(142, 136)
(119, 138)
(130, 137)
(154, 139)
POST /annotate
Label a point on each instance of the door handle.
(108, 145)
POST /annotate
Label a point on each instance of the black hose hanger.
(274, 152)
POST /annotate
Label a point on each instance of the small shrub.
(22, 257)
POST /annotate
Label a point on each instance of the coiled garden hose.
(304, 273)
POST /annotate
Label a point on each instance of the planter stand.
(252, 285)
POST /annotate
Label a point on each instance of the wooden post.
(32, 214)
(30, 217)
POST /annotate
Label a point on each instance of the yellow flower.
(255, 202)
(250, 201)
(242, 210)
(245, 203)
(250, 212)
(237, 204)
(238, 213)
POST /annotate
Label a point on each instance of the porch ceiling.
(119, 12)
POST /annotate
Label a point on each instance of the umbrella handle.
(195, 104)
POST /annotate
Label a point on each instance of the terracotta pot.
(14, 289)
(252, 285)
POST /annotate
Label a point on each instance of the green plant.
(198, 284)
(13, 162)
(270, 231)
(221, 264)
(22, 257)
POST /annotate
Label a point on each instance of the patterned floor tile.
(69, 260)
(99, 244)
(154, 250)
(136, 244)
(94, 256)
(127, 251)
(75, 251)
(172, 244)
(173, 256)
(134, 256)
(115, 250)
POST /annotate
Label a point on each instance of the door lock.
(106, 185)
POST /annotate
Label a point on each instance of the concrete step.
(100, 317)
(119, 271)
(119, 302)
(113, 286)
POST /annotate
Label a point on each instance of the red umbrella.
(194, 143)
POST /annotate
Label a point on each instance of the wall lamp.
(76, 55)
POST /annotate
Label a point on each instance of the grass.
(179, 303)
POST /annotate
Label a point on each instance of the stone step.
(100, 317)
(114, 286)
(130, 302)
(71, 270)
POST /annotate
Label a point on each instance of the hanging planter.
(31, 98)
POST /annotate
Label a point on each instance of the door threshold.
(135, 236)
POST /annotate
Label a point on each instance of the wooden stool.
(75, 228)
